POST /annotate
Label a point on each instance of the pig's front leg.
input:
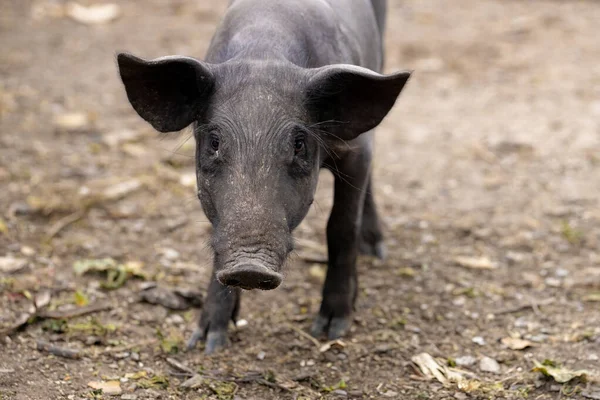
(343, 239)
(221, 305)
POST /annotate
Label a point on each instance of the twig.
(58, 351)
(180, 366)
(305, 335)
(76, 312)
(258, 378)
(522, 307)
(64, 222)
(121, 349)
(315, 258)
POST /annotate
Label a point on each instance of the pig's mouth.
(250, 276)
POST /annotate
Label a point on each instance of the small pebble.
(170, 254)
(479, 340)
(538, 338)
(175, 319)
(120, 356)
(459, 301)
(488, 364)
(552, 282)
(261, 355)
(465, 361)
(340, 393)
(561, 272)
(27, 251)
(135, 356)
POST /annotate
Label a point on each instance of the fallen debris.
(171, 299)
(475, 262)
(591, 395)
(180, 366)
(116, 274)
(430, 368)
(108, 387)
(21, 321)
(73, 122)
(516, 343)
(522, 307)
(11, 265)
(58, 351)
(559, 374)
(75, 312)
(94, 14)
(487, 364)
(121, 136)
(334, 344)
(63, 223)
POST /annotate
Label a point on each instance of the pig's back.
(309, 33)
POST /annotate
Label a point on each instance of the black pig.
(287, 87)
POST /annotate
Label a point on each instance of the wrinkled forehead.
(255, 92)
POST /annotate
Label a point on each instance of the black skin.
(286, 88)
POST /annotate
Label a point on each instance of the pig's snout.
(250, 275)
(251, 257)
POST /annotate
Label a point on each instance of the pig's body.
(309, 33)
(287, 87)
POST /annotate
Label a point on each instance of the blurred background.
(486, 175)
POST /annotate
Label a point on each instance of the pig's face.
(262, 132)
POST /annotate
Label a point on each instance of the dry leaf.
(559, 374)
(516, 343)
(592, 297)
(433, 369)
(94, 14)
(335, 344)
(109, 387)
(475, 262)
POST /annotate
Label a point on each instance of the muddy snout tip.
(250, 276)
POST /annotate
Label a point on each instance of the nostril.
(250, 276)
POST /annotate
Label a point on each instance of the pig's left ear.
(169, 92)
(346, 100)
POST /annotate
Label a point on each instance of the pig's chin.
(250, 274)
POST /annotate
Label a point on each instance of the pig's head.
(262, 132)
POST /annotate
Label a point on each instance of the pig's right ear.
(169, 92)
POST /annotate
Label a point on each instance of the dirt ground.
(487, 175)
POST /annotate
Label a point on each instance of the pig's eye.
(214, 142)
(299, 145)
